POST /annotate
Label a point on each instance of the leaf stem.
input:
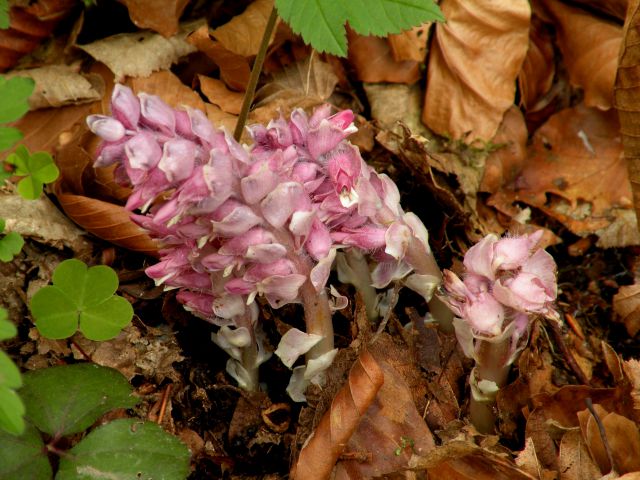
(255, 75)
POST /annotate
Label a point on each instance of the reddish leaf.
(243, 33)
(160, 18)
(411, 44)
(536, 77)
(626, 305)
(217, 93)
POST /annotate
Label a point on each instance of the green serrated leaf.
(10, 245)
(70, 398)
(322, 22)
(14, 96)
(24, 456)
(7, 329)
(83, 298)
(126, 448)
(8, 138)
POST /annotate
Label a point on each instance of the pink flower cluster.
(235, 222)
(506, 281)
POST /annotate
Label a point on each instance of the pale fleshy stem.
(426, 265)
(250, 352)
(489, 375)
(357, 273)
(317, 317)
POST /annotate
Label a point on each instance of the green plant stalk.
(256, 69)
(492, 364)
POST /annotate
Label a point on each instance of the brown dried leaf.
(234, 68)
(373, 61)
(463, 460)
(392, 422)
(622, 435)
(574, 460)
(107, 221)
(528, 461)
(585, 41)
(159, 18)
(473, 64)
(168, 86)
(142, 53)
(221, 119)
(243, 33)
(615, 8)
(218, 93)
(576, 173)
(58, 85)
(536, 77)
(626, 305)
(410, 44)
(322, 450)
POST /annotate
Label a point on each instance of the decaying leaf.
(473, 64)
(234, 68)
(574, 459)
(626, 305)
(576, 173)
(622, 435)
(159, 18)
(58, 85)
(585, 41)
(392, 430)
(169, 87)
(322, 450)
(374, 62)
(41, 220)
(243, 33)
(141, 53)
(396, 103)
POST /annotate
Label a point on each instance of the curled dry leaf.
(536, 76)
(586, 41)
(218, 94)
(322, 450)
(614, 8)
(576, 173)
(107, 221)
(58, 85)
(29, 23)
(243, 33)
(234, 68)
(473, 64)
(141, 53)
(373, 61)
(392, 423)
(626, 305)
(622, 435)
(410, 44)
(162, 18)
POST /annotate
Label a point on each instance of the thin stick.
(163, 406)
(564, 350)
(603, 433)
(255, 75)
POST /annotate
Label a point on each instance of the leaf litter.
(519, 133)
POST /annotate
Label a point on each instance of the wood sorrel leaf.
(127, 448)
(10, 244)
(24, 456)
(37, 169)
(322, 22)
(11, 406)
(8, 137)
(70, 398)
(81, 298)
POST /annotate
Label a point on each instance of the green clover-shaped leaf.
(10, 244)
(14, 96)
(322, 22)
(37, 169)
(4, 14)
(7, 329)
(8, 137)
(83, 298)
(11, 406)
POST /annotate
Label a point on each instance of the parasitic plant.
(507, 284)
(236, 222)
